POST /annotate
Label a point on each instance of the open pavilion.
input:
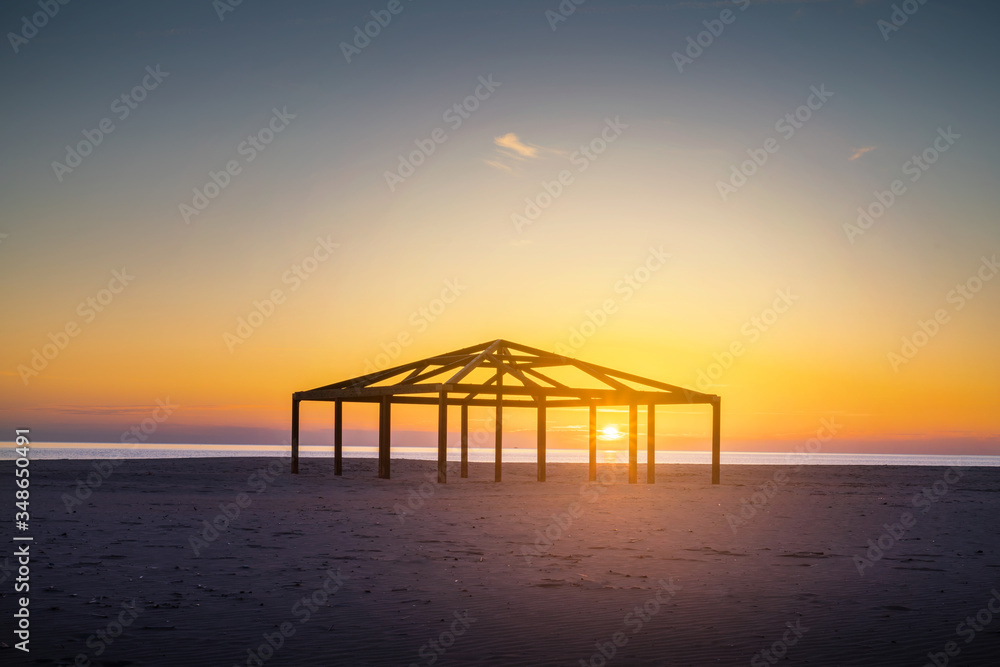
(503, 374)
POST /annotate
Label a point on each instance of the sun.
(610, 432)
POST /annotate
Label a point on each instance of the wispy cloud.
(858, 152)
(499, 165)
(513, 146)
(510, 151)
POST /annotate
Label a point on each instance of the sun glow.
(611, 432)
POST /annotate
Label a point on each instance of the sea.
(87, 451)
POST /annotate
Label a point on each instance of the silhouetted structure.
(425, 382)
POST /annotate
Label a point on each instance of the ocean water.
(65, 450)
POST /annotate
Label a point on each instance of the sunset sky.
(395, 196)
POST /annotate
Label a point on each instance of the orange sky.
(576, 189)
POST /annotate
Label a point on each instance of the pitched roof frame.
(446, 372)
(444, 380)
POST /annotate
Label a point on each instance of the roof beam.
(472, 365)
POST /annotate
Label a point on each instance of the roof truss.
(424, 381)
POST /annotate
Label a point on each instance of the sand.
(667, 574)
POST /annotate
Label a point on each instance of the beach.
(238, 562)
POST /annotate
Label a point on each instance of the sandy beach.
(361, 571)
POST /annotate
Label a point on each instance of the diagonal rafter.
(513, 370)
(544, 378)
(474, 363)
(413, 379)
(603, 377)
(506, 358)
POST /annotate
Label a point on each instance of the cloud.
(858, 152)
(499, 165)
(510, 151)
(513, 146)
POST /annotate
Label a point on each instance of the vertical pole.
(443, 437)
(633, 443)
(465, 441)
(592, 476)
(541, 439)
(295, 435)
(384, 426)
(338, 437)
(716, 427)
(498, 454)
(651, 444)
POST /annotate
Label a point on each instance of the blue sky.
(324, 175)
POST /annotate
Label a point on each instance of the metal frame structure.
(442, 381)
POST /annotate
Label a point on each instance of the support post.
(295, 435)
(541, 439)
(592, 476)
(338, 437)
(633, 443)
(443, 437)
(465, 441)
(716, 428)
(650, 444)
(498, 454)
(384, 426)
